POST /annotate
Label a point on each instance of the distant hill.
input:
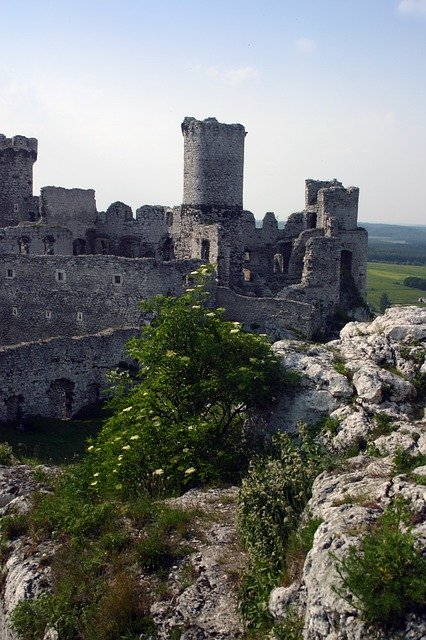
(395, 243)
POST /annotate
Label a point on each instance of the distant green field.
(383, 277)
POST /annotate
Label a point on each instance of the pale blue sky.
(325, 88)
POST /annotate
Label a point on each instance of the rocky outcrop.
(384, 414)
(25, 571)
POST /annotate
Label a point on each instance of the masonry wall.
(43, 296)
(71, 208)
(213, 163)
(36, 239)
(269, 315)
(58, 377)
(17, 156)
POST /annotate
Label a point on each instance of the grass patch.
(50, 441)
(383, 277)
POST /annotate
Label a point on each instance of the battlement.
(19, 143)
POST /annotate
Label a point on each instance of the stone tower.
(213, 195)
(17, 156)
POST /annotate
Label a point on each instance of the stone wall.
(44, 296)
(268, 315)
(36, 238)
(58, 377)
(74, 209)
(17, 156)
(213, 163)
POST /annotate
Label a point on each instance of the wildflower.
(126, 447)
(158, 472)
(234, 331)
(190, 290)
(211, 314)
(118, 439)
(90, 448)
(120, 457)
(194, 273)
(196, 306)
(134, 437)
(118, 487)
(93, 484)
(127, 409)
(189, 471)
(185, 450)
(95, 475)
(170, 353)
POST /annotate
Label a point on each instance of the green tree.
(183, 420)
(384, 302)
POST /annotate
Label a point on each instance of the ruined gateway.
(71, 277)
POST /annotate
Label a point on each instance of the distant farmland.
(383, 277)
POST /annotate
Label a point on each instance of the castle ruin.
(71, 277)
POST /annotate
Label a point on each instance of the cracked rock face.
(386, 416)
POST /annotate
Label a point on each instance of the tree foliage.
(183, 419)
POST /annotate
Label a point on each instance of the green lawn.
(388, 278)
(52, 441)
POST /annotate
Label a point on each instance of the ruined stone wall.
(74, 209)
(340, 203)
(269, 315)
(142, 237)
(59, 376)
(213, 163)
(76, 295)
(17, 156)
(36, 238)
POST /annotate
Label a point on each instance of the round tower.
(213, 164)
(17, 156)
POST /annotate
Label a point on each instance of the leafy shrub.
(272, 498)
(404, 462)
(6, 454)
(183, 422)
(385, 578)
(274, 494)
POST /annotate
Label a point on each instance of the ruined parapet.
(295, 224)
(17, 156)
(71, 208)
(338, 203)
(213, 164)
(312, 187)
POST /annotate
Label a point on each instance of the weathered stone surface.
(207, 607)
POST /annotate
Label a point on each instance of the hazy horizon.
(326, 89)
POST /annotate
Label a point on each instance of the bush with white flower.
(199, 379)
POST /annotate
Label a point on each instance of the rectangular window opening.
(10, 273)
(60, 276)
(79, 316)
(117, 279)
